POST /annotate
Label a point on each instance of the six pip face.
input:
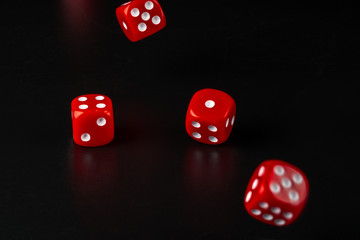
(277, 191)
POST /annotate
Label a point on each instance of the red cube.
(210, 116)
(92, 120)
(277, 193)
(140, 18)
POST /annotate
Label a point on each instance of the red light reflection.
(93, 178)
(79, 25)
(210, 167)
(209, 186)
(262, 189)
(77, 14)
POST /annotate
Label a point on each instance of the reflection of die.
(140, 18)
(210, 116)
(277, 193)
(92, 120)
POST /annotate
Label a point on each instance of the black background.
(292, 70)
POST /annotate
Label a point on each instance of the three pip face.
(209, 119)
(277, 191)
(210, 116)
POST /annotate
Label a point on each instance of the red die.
(210, 116)
(277, 193)
(140, 18)
(92, 120)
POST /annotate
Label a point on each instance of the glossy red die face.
(92, 120)
(210, 116)
(277, 193)
(140, 18)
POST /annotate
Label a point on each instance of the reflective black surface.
(291, 69)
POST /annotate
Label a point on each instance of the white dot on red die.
(212, 128)
(248, 196)
(99, 97)
(275, 188)
(227, 122)
(124, 25)
(286, 183)
(255, 184)
(100, 105)
(156, 20)
(101, 121)
(279, 170)
(255, 212)
(142, 27)
(213, 139)
(149, 5)
(82, 99)
(267, 217)
(293, 195)
(297, 178)
(195, 124)
(196, 135)
(261, 171)
(145, 16)
(232, 120)
(209, 103)
(275, 210)
(263, 205)
(83, 106)
(287, 215)
(279, 222)
(134, 12)
(85, 137)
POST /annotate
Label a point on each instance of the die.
(210, 116)
(140, 18)
(277, 193)
(92, 120)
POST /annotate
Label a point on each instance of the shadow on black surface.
(94, 179)
(259, 132)
(209, 186)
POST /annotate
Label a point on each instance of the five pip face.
(140, 18)
(277, 191)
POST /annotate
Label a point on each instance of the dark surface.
(291, 69)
